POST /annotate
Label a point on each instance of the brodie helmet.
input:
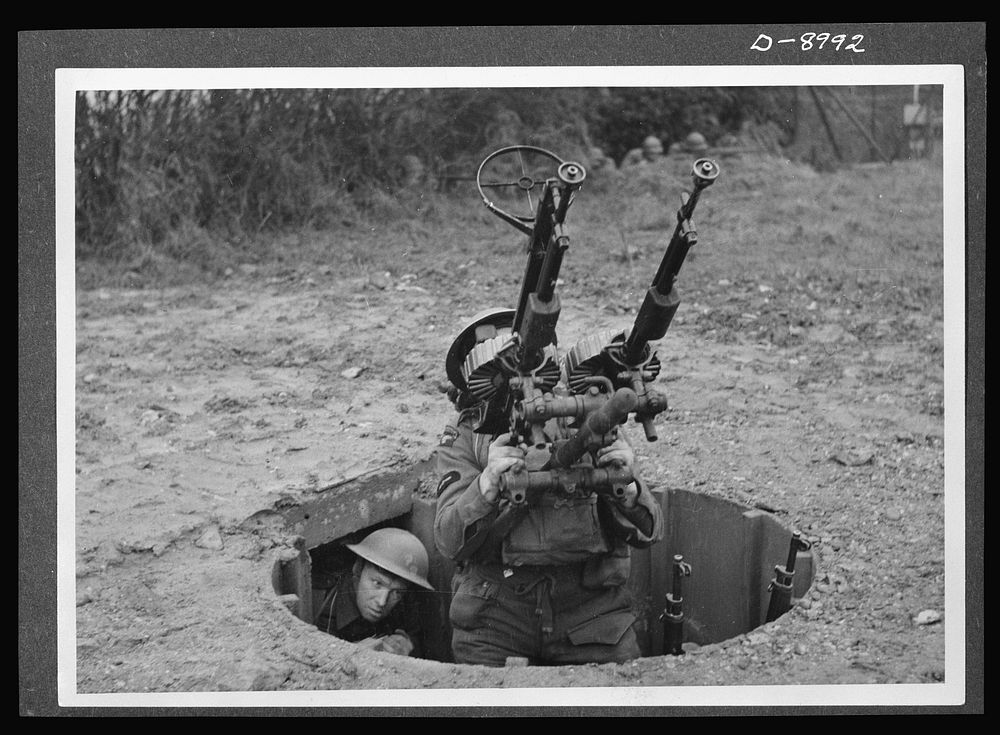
(652, 144)
(695, 142)
(481, 327)
(396, 551)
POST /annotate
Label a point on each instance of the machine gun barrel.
(550, 266)
(703, 174)
(523, 370)
(538, 305)
(661, 301)
(547, 241)
(538, 242)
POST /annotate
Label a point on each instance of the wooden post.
(291, 578)
(871, 116)
(826, 123)
(659, 571)
(303, 581)
(857, 123)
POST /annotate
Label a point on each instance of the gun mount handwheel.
(523, 170)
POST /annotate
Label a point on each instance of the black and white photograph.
(497, 389)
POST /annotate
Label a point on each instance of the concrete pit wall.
(732, 551)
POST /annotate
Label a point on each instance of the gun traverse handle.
(651, 403)
(520, 486)
(649, 428)
(597, 423)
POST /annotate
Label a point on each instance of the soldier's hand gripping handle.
(501, 457)
(619, 455)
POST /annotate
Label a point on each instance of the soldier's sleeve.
(641, 525)
(407, 623)
(463, 517)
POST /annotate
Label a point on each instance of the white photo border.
(69, 81)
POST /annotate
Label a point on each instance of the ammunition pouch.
(556, 531)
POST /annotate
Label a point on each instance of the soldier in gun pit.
(651, 151)
(367, 604)
(544, 580)
(693, 144)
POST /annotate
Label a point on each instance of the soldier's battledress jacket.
(544, 582)
(337, 613)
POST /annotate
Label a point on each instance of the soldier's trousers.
(543, 614)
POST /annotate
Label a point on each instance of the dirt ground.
(804, 372)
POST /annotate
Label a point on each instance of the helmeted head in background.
(695, 143)
(652, 148)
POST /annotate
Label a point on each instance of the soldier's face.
(378, 592)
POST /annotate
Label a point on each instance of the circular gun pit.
(732, 552)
